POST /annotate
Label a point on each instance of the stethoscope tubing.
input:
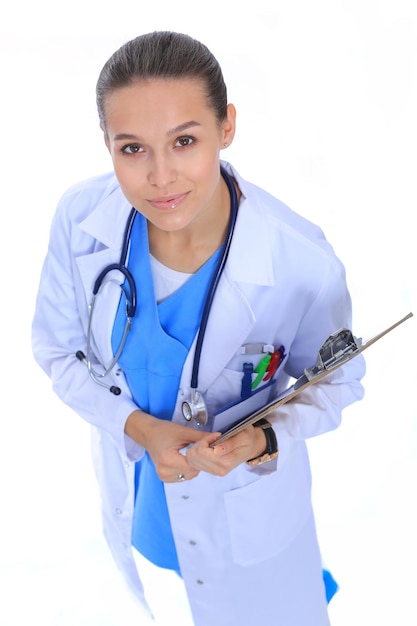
(131, 301)
(215, 280)
(121, 267)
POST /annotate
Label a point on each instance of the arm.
(318, 409)
(59, 326)
(59, 331)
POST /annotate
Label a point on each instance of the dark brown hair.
(163, 54)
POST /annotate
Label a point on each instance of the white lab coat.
(246, 542)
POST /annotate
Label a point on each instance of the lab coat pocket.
(266, 515)
(234, 412)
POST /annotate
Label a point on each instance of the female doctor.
(152, 319)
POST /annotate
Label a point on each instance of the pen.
(274, 363)
(260, 370)
(246, 381)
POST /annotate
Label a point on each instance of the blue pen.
(246, 381)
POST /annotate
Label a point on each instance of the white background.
(326, 94)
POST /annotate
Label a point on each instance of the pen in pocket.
(260, 370)
(246, 381)
(276, 358)
(265, 370)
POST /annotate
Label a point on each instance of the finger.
(175, 475)
(218, 460)
(205, 441)
(191, 435)
(201, 454)
(211, 438)
(232, 444)
(189, 474)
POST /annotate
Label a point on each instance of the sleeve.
(318, 409)
(59, 331)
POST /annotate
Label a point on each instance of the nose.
(162, 171)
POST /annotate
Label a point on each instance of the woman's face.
(165, 141)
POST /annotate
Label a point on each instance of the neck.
(188, 249)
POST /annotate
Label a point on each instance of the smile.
(164, 203)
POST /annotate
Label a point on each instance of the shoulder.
(285, 229)
(84, 196)
(91, 210)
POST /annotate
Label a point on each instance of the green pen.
(260, 369)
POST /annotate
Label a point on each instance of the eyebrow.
(182, 127)
(172, 131)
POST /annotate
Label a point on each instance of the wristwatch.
(271, 451)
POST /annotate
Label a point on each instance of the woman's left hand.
(220, 460)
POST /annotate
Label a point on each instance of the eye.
(132, 148)
(185, 141)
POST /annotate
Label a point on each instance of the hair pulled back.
(162, 54)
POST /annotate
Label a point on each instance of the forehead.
(160, 98)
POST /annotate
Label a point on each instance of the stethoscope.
(195, 408)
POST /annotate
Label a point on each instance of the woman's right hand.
(164, 441)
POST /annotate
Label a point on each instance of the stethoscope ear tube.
(196, 407)
(131, 306)
(112, 388)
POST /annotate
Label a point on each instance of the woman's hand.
(220, 460)
(164, 441)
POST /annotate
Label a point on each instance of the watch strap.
(271, 451)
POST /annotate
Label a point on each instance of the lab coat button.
(200, 582)
(118, 511)
(185, 497)
(192, 542)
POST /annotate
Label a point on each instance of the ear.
(229, 126)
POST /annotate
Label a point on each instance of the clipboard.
(329, 359)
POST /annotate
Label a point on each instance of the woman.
(234, 522)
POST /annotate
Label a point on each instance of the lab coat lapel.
(107, 225)
(223, 334)
(232, 318)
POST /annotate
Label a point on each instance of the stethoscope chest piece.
(195, 409)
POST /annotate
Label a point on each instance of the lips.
(165, 203)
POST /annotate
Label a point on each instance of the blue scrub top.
(152, 361)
